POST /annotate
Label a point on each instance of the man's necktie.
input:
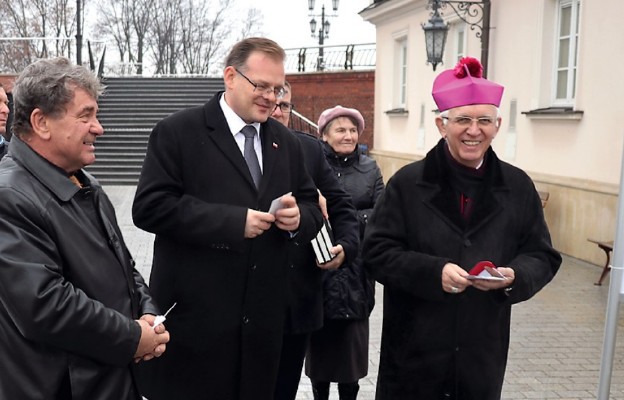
(250, 154)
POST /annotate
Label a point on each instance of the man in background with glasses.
(305, 297)
(446, 324)
(225, 190)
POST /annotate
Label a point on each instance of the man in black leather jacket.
(74, 313)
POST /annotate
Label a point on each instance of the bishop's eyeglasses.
(465, 121)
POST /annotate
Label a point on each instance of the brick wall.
(315, 92)
(7, 82)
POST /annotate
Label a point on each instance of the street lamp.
(323, 32)
(78, 32)
(475, 13)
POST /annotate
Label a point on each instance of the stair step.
(129, 109)
(102, 158)
(116, 168)
(119, 142)
(105, 181)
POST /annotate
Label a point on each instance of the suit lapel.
(270, 152)
(219, 133)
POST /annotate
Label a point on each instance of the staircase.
(129, 109)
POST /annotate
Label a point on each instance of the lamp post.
(323, 32)
(475, 13)
(78, 32)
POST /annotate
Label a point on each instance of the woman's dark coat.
(348, 292)
(69, 293)
(437, 345)
(305, 278)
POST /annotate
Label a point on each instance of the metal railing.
(332, 58)
(302, 59)
(301, 123)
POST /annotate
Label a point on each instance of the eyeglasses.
(463, 121)
(285, 106)
(278, 92)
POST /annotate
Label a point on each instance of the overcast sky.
(288, 22)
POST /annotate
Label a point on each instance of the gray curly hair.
(49, 85)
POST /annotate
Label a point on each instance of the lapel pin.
(275, 146)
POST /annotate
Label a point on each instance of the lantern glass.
(435, 39)
(313, 26)
(310, 5)
(335, 4)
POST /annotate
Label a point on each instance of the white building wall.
(577, 160)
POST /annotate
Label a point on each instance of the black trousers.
(291, 364)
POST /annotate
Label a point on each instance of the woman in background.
(339, 351)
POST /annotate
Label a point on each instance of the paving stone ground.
(556, 339)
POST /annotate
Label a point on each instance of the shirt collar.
(235, 123)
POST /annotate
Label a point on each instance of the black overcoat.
(437, 345)
(193, 193)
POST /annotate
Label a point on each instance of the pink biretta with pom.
(464, 85)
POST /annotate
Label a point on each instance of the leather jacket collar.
(52, 177)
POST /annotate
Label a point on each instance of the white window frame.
(568, 66)
(460, 41)
(401, 57)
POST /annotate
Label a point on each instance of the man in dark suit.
(218, 253)
(305, 305)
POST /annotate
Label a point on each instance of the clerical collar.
(479, 171)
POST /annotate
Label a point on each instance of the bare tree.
(252, 25)
(34, 20)
(190, 36)
(114, 22)
(201, 36)
(126, 22)
(142, 15)
(164, 42)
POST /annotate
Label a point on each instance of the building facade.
(559, 62)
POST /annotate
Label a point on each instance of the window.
(567, 51)
(401, 84)
(460, 42)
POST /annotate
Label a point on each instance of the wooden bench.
(607, 247)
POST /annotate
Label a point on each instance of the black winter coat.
(437, 345)
(69, 293)
(349, 293)
(305, 283)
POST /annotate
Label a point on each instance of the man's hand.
(486, 285)
(335, 262)
(288, 217)
(153, 340)
(454, 279)
(257, 223)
